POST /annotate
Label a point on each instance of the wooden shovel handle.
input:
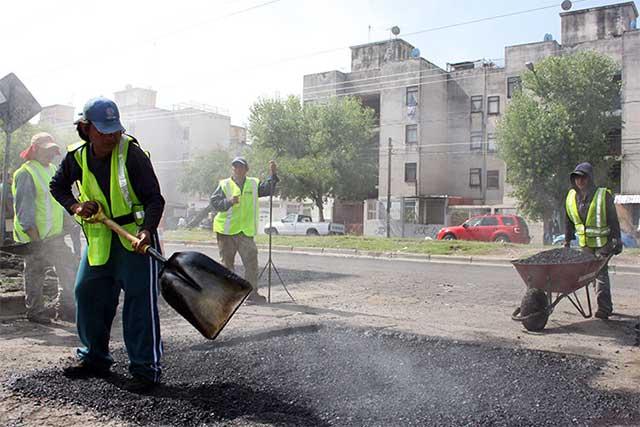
(117, 228)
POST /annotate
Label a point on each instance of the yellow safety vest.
(243, 216)
(123, 201)
(49, 213)
(593, 234)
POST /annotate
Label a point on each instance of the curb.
(443, 259)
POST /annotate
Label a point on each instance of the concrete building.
(436, 126)
(57, 116)
(173, 137)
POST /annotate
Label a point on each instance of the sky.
(229, 53)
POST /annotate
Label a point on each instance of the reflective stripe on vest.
(122, 198)
(242, 217)
(595, 232)
(49, 215)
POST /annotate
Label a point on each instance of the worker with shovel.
(591, 216)
(236, 224)
(39, 219)
(113, 174)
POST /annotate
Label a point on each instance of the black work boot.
(81, 369)
(601, 314)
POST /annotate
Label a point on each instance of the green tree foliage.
(201, 176)
(561, 117)
(323, 149)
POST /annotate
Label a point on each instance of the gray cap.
(240, 160)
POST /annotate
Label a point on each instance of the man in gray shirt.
(40, 219)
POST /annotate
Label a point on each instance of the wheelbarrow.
(549, 283)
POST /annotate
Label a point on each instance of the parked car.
(489, 228)
(295, 224)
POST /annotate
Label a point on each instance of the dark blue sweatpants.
(97, 294)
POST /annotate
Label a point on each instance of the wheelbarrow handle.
(120, 231)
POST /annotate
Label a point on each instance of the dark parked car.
(489, 228)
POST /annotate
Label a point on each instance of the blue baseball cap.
(240, 160)
(104, 115)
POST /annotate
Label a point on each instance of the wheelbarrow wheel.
(533, 310)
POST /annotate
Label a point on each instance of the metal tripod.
(270, 265)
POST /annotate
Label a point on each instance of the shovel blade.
(201, 290)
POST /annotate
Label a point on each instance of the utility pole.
(389, 190)
(485, 142)
(5, 187)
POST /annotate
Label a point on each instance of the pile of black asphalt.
(332, 375)
(558, 256)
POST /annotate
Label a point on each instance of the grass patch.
(375, 244)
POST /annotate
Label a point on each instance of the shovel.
(204, 292)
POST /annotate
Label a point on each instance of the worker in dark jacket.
(591, 216)
(112, 169)
(236, 223)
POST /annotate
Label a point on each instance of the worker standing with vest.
(111, 168)
(39, 218)
(237, 220)
(592, 218)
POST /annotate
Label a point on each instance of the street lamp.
(530, 66)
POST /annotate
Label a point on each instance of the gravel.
(558, 256)
(320, 376)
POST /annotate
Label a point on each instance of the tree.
(561, 117)
(201, 176)
(322, 149)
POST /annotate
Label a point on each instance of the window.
(508, 220)
(489, 221)
(491, 143)
(371, 209)
(410, 216)
(410, 172)
(476, 103)
(476, 141)
(475, 178)
(493, 180)
(474, 222)
(513, 84)
(290, 218)
(293, 209)
(412, 96)
(411, 134)
(617, 100)
(493, 106)
(185, 134)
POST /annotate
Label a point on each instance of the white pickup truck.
(294, 224)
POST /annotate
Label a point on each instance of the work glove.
(85, 209)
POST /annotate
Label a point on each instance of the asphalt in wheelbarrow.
(558, 256)
(315, 375)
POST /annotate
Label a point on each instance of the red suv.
(489, 228)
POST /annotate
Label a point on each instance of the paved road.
(462, 304)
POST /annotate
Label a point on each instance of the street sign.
(19, 105)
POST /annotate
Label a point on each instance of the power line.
(426, 30)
